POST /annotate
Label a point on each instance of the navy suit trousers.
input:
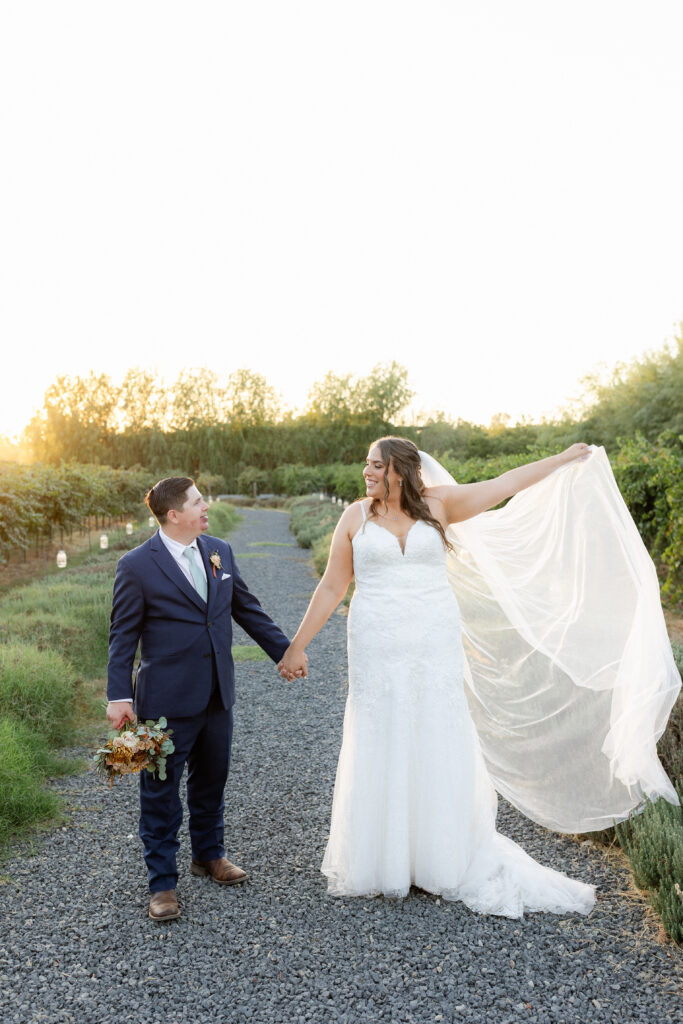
(202, 742)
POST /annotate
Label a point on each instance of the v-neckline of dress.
(401, 547)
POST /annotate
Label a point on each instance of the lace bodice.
(380, 563)
(403, 615)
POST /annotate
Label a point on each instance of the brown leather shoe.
(221, 870)
(163, 906)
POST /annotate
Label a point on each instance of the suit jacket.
(181, 636)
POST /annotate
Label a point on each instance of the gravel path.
(76, 944)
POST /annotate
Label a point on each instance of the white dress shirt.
(176, 550)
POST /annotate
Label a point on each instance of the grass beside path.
(312, 523)
(53, 654)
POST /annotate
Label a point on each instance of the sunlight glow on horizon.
(417, 412)
(488, 194)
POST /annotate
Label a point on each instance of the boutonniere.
(215, 560)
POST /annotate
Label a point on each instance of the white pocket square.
(225, 576)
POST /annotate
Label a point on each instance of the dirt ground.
(674, 625)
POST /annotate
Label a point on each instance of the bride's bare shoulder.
(352, 518)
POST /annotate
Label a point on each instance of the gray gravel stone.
(76, 946)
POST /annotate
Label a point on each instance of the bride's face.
(374, 475)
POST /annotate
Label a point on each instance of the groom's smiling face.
(189, 521)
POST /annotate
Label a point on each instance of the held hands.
(120, 711)
(294, 664)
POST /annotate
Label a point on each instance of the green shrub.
(37, 688)
(312, 523)
(296, 479)
(253, 480)
(210, 483)
(24, 764)
(650, 477)
(222, 519)
(653, 841)
(311, 519)
(670, 746)
(347, 482)
(335, 478)
(69, 613)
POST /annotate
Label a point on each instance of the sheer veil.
(569, 670)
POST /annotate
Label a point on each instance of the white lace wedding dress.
(413, 802)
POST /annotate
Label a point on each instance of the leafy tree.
(376, 398)
(333, 397)
(644, 397)
(210, 483)
(196, 400)
(383, 393)
(143, 401)
(250, 400)
(78, 415)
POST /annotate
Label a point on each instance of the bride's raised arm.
(462, 501)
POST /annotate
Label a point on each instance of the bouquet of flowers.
(135, 748)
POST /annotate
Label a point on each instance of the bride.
(429, 733)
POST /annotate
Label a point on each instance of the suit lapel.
(211, 577)
(168, 565)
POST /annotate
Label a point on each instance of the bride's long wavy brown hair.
(406, 459)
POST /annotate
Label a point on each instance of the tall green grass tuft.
(25, 763)
(37, 689)
(69, 613)
(39, 707)
(653, 841)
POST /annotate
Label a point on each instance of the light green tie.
(198, 575)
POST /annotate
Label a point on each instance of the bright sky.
(488, 192)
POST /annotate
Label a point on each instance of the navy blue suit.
(186, 674)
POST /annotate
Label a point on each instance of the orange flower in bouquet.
(136, 748)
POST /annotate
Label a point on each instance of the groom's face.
(191, 519)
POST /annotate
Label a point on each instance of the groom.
(176, 594)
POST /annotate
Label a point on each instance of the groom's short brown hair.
(171, 492)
